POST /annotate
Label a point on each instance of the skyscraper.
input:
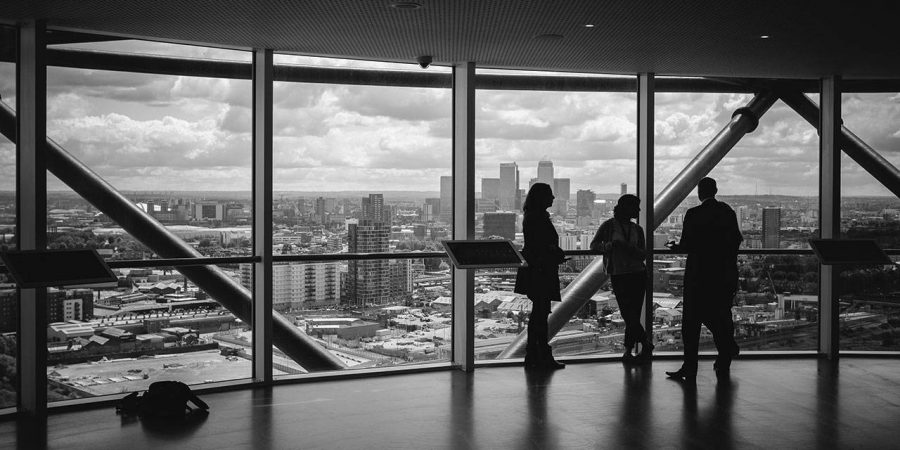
(624, 189)
(545, 173)
(373, 208)
(741, 213)
(771, 227)
(584, 202)
(368, 281)
(446, 199)
(561, 188)
(300, 285)
(320, 206)
(501, 224)
(490, 188)
(562, 193)
(509, 187)
(431, 209)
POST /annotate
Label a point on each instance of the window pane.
(770, 178)
(870, 296)
(501, 315)
(154, 324)
(178, 147)
(377, 158)
(363, 169)
(413, 327)
(582, 144)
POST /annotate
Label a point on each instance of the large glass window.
(584, 146)
(364, 169)
(9, 301)
(415, 326)
(770, 179)
(178, 147)
(870, 296)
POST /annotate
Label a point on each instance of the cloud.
(118, 141)
(410, 104)
(166, 132)
(123, 86)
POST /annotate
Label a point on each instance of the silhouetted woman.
(540, 280)
(622, 243)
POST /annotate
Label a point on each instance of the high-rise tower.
(771, 227)
(509, 187)
(545, 173)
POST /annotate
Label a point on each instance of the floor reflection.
(711, 426)
(636, 411)
(462, 390)
(828, 422)
(540, 432)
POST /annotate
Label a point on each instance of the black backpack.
(163, 400)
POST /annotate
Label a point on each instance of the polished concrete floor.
(777, 403)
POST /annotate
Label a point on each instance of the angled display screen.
(483, 254)
(849, 251)
(46, 268)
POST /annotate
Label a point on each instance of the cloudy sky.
(152, 132)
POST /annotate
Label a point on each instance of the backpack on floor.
(163, 400)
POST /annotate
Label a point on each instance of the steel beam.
(293, 342)
(588, 282)
(743, 121)
(166, 65)
(852, 145)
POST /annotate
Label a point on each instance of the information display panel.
(849, 252)
(472, 254)
(50, 268)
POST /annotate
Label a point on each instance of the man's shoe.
(553, 365)
(682, 375)
(723, 373)
(724, 366)
(628, 357)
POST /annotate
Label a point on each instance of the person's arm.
(600, 243)
(556, 254)
(735, 230)
(683, 245)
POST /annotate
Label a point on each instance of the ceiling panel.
(720, 38)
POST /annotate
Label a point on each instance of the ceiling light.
(589, 25)
(765, 36)
(406, 5)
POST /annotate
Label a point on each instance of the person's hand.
(672, 245)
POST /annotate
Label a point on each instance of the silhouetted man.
(711, 239)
